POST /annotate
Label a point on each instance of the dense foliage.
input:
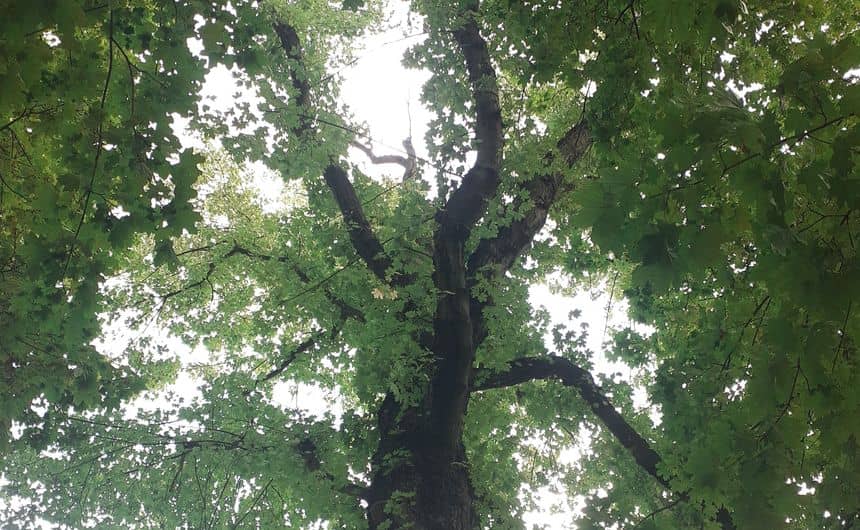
(703, 158)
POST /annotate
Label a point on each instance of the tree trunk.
(420, 474)
(418, 481)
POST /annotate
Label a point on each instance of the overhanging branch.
(569, 374)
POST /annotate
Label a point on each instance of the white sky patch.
(603, 311)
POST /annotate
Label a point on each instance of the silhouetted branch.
(380, 159)
(361, 234)
(408, 162)
(468, 203)
(569, 374)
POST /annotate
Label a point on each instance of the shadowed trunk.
(418, 480)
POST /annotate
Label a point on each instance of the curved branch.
(408, 162)
(380, 159)
(467, 204)
(537, 368)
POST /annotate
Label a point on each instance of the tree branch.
(467, 204)
(292, 46)
(502, 250)
(380, 159)
(537, 368)
(360, 232)
(494, 256)
(346, 310)
(569, 374)
(308, 450)
(408, 162)
(285, 363)
(453, 345)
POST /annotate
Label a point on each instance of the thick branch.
(292, 47)
(360, 233)
(569, 374)
(535, 368)
(467, 204)
(501, 251)
(494, 256)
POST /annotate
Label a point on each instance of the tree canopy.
(700, 160)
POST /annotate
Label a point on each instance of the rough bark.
(444, 496)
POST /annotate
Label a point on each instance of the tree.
(701, 158)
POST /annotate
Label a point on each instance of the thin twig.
(99, 146)
(841, 337)
(24, 114)
(659, 510)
